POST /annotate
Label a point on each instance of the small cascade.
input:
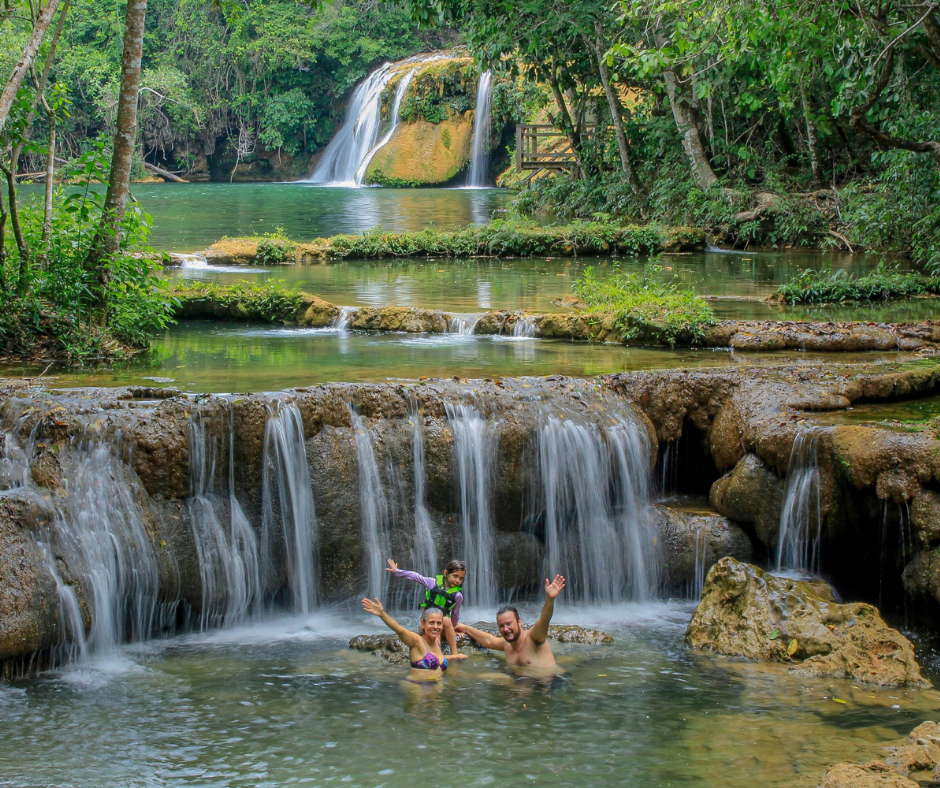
(344, 161)
(341, 323)
(374, 507)
(424, 550)
(72, 645)
(698, 581)
(801, 516)
(400, 92)
(475, 448)
(480, 155)
(229, 560)
(191, 261)
(462, 326)
(102, 525)
(597, 528)
(524, 327)
(287, 502)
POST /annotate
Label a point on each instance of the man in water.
(526, 650)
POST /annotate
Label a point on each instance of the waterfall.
(424, 550)
(462, 326)
(400, 92)
(597, 529)
(801, 516)
(480, 156)
(341, 323)
(345, 159)
(374, 506)
(288, 499)
(524, 327)
(102, 525)
(227, 546)
(475, 447)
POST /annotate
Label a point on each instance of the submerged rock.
(392, 650)
(746, 612)
(912, 763)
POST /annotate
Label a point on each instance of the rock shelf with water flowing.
(127, 514)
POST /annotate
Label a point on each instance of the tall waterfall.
(345, 159)
(424, 551)
(595, 495)
(374, 507)
(288, 502)
(480, 155)
(475, 449)
(801, 517)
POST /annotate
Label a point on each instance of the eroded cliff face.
(203, 510)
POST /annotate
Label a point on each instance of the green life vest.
(439, 596)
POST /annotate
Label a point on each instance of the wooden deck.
(543, 147)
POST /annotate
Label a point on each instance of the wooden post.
(519, 147)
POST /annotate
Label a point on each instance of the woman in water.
(427, 659)
(445, 592)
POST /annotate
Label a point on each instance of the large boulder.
(693, 540)
(751, 493)
(746, 612)
(912, 763)
(422, 153)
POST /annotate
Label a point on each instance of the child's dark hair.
(455, 566)
(508, 609)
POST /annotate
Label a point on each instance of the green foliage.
(824, 287)
(502, 238)
(54, 306)
(646, 304)
(270, 302)
(275, 248)
(439, 91)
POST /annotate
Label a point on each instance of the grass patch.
(502, 238)
(646, 306)
(826, 287)
(270, 302)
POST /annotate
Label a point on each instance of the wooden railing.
(543, 147)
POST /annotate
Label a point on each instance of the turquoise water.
(287, 703)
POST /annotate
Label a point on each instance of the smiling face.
(510, 627)
(454, 578)
(433, 624)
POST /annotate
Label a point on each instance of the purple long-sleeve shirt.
(429, 583)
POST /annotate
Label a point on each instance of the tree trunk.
(702, 172)
(108, 238)
(50, 176)
(613, 102)
(574, 136)
(811, 141)
(21, 69)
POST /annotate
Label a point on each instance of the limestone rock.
(925, 517)
(751, 493)
(423, 154)
(750, 613)
(320, 313)
(691, 536)
(922, 575)
(875, 774)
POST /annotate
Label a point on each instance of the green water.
(286, 703)
(237, 357)
(534, 284)
(190, 217)
(907, 414)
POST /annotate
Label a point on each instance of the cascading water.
(287, 501)
(400, 92)
(801, 516)
(462, 326)
(229, 559)
(597, 528)
(374, 506)
(344, 161)
(425, 552)
(523, 327)
(342, 319)
(475, 448)
(480, 155)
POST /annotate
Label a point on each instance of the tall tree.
(108, 237)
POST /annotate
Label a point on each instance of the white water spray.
(480, 155)
(801, 516)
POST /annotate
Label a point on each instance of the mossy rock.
(423, 154)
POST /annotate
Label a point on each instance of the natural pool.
(207, 356)
(286, 702)
(535, 284)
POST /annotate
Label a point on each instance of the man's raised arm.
(485, 639)
(539, 631)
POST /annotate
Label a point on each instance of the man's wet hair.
(508, 609)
